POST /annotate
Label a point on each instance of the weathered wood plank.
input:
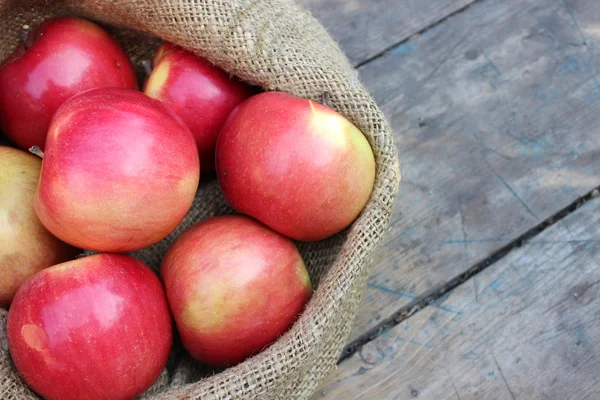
(364, 28)
(528, 329)
(497, 117)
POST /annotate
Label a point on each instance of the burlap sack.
(279, 46)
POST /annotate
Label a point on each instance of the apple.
(120, 171)
(201, 93)
(60, 58)
(95, 328)
(26, 246)
(295, 165)
(234, 286)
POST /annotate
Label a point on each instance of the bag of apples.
(198, 221)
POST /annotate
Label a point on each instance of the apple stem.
(25, 29)
(37, 151)
(147, 67)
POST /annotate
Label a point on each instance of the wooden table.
(487, 284)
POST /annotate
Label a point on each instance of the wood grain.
(364, 28)
(497, 119)
(529, 329)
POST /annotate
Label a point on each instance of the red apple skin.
(66, 56)
(120, 171)
(95, 328)
(295, 165)
(201, 93)
(234, 286)
(26, 246)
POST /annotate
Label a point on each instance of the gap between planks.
(391, 47)
(438, 295)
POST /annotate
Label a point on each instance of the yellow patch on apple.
(207, 312)
(338, 131)
(157, 79)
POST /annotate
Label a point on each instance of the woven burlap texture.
(277, 45)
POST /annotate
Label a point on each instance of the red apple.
(295, 165)
(120, 171)
(233, 286)
(202, 94)
(95, 328)
(60, 58)
(26, 246)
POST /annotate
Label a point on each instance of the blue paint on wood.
(405, 48)
(396, 292)
(593, 98)
(542, 97)
(408, 231)
(424, 345)
(581, 339)
(570, 66)
(438, 30)
(495, 285)
(535, 149)
(471, 241)
(410, 296)
(448, 309)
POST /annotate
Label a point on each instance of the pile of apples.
(116, 171)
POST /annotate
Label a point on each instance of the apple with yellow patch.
(295, 165)
(120, 171)
(95, 328)
(58, 59)
(202, 94)
(26, 246)
(234, 286)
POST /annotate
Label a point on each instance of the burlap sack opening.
(277, 45)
